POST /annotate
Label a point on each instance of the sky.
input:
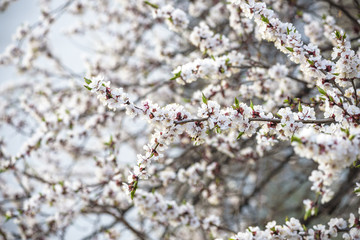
(17, 13)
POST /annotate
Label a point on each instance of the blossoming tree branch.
(195, 120)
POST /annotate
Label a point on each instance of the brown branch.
(274, 120)
(226, 229)
(341, 90)
(309, 121)
(275, 171)
(341, 8)
(140, 235)
(100, 230)
(190, 120)
(354, 87)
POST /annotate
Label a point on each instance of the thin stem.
(224, 228)
(190, 120)
(341, 90)
(139, 234)
(310, 121)
(354, 87)
(274, 120)
(266, 67)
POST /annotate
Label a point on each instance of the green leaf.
(322, 91)
(239, 136)
(251, 105)
(287, 31)
(295, 139)
(316, 211)
(204, 99)
(176, 75)
(218, 129)
(88, 88)
(290, 49)
(351, 137)
(307, 214)
(264, 19)
(132, 194)
(110, 142)
(337, 34)
(227, 62)
(151, 4)
(356, 165)
(212, 57)
(311, 62)
(304, 227)
(38, 144)
(300, 107)
(346, 131)
(205, 52)
(88, 81)
(7, 218)
(237, 104)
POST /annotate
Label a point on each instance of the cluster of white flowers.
(278, 71)
(293, 229)
(176, 19)
(330, 27)
(287, 39)
(348, 64)
(332, 152)
(216, 13)
(197, 7)
(207, 41)
(272, 85)
(210, 156)
(213, 68)
(313, 29)
(241, 24)
(193, 174)
(166, 212)
(237, 117)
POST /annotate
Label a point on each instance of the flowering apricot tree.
(185, 120)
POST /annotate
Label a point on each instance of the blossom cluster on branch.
(183, 120)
